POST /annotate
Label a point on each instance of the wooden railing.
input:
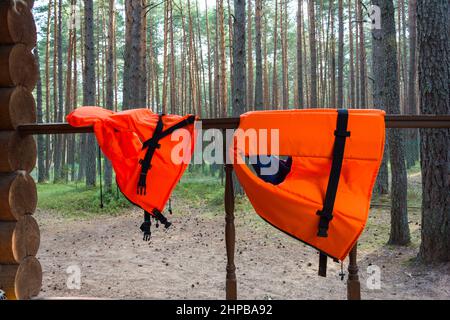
(392, 121)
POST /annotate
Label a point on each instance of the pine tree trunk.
(274, 66)
(352, 84)
(47, 90)
(132, 82)
(58, 89)
(321, 40)
(266, 86)
(194, 88)
(223, 62)
(197, 72)
(404, 56)
(68, 99)
(230, 53)
(89, 88)
(284, 49)
(239, 76)
(185, 56)
(173, 85)
(399, 234)
(305, 63)
(109, 101)
(217, 101)
(40, 138)
(202, 63)
(61, 100)
(71, 154)
(153, 83)
(300, 102)
(127, 51)
(412, 134)
(434, 78)
(340, 80)
(378, 67)
(357, 60)
(362, 59)
(250, 78)
(313, 54)
(259, 102)
(333, 59)
(83, 137)
(143, 57)
(210, 80)
(136, 63)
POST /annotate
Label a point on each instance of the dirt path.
(188, 262)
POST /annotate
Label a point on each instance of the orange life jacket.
(139, 145)
(324, 200)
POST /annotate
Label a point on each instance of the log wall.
(20, 271)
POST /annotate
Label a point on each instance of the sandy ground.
(188, 261)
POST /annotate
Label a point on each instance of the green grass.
(77, 200)
(71, 200)
(196, 191)
(200, 190)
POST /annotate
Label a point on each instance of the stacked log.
(20, 271)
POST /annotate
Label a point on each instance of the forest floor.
(188, 261)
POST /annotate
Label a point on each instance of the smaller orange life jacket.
(139, 146)
(334, 158)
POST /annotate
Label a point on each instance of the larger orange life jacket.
(324, 200)
(139, 145)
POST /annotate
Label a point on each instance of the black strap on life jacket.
(326, 214)
(152, 144)
(145, 226)
(159, 217)
(322, 264)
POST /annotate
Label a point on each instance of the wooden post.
(20, 271)
(230, 234)
(353, 285)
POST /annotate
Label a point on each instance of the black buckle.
(324, 222)
(342, 134)
(322, 232)
(145, 228)
(142, 185)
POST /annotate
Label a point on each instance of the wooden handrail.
(392, 121)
